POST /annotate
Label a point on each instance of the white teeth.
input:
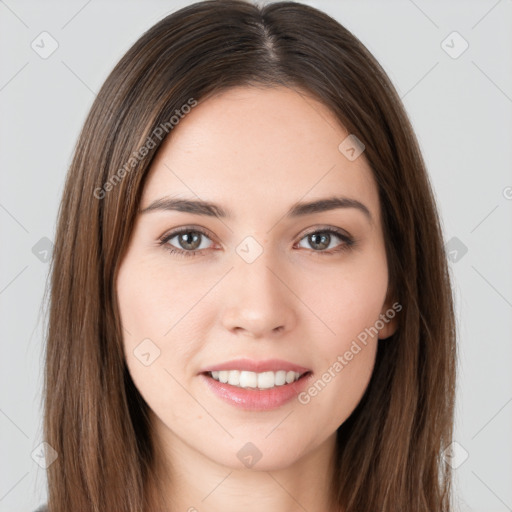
(280, 378)
(290, 377)
(264, 380)
(248, 380)
(234, 378)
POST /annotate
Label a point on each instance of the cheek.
(162, 315)
(155, 314)
(350, 307)
(345, 362)
(154, 303)
(348, 300)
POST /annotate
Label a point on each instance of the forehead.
(249, 147)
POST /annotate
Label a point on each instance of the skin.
(256, 152)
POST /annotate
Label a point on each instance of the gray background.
(460, 108)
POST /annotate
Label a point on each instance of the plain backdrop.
(451, 64)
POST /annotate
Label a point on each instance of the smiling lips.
(256, 385)
(247, 373)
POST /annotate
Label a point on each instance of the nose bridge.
(260, 302)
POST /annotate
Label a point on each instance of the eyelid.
(324, 227)
(176, 231)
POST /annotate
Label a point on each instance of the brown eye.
(321, 239)
(188, 242)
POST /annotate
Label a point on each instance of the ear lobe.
(387, 324)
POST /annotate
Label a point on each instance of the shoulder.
(42, 508)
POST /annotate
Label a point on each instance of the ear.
(388, 322)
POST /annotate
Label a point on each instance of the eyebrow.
(200, 207)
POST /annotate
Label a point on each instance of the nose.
(258, 301)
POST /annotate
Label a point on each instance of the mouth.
(256, 380)
(255, 391)
(256, 385)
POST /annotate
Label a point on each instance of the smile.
(263, 380)
(247, 393)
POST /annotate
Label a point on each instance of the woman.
(250, 302)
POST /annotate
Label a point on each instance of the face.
(266, 281)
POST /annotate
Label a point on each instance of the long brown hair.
(389, 451)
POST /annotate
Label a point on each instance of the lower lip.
(257, 399)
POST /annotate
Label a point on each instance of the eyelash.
(348, 242)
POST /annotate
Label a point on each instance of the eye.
(188, 240)
(321, 239)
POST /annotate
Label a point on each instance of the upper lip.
(251, 365)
